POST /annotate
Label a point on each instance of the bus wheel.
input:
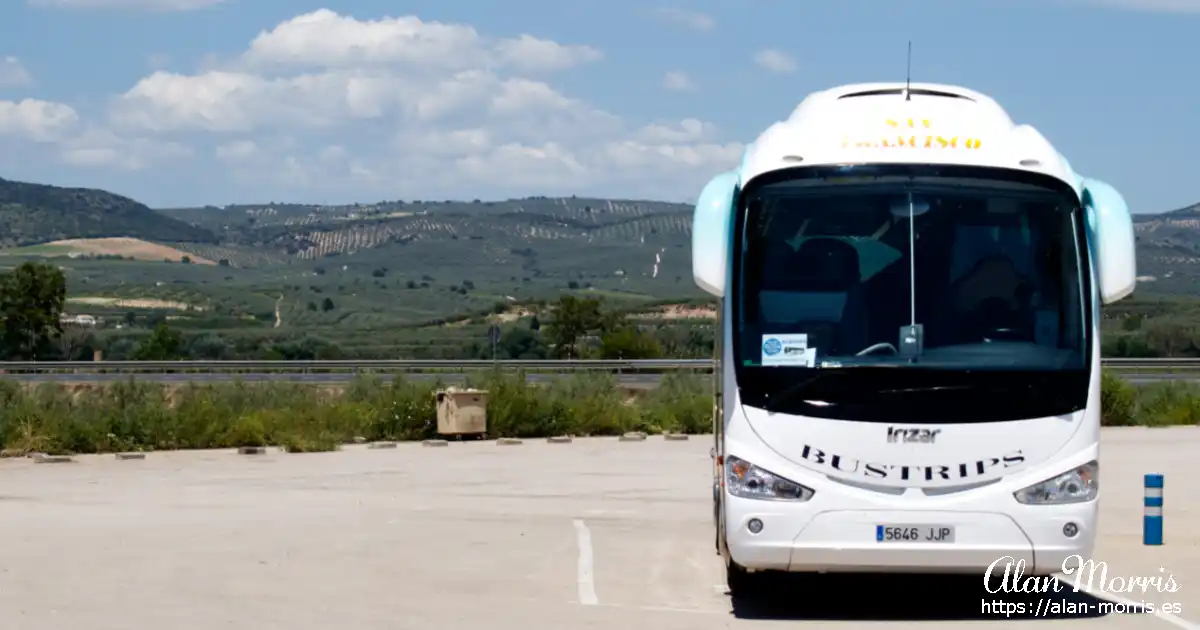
(740, 581)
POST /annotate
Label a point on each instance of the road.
(627, 380)
(593, 534)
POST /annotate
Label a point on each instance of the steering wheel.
(879, 346)
(1003, 334)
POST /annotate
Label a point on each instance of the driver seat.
(823, 280)
(992, 295)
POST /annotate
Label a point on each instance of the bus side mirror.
(1114, 248)
(711, 233)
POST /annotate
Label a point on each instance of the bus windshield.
(939, 283)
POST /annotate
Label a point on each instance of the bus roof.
(921, 123)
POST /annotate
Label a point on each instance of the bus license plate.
(915, 533)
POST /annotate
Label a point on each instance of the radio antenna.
(908, 74)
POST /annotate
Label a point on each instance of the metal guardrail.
(389, 365)
(1158, 364)
(351, 365)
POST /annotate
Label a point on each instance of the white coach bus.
(908, 361)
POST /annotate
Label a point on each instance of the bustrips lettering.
(910, 472)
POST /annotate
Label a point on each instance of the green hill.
(395, 278)
(1169, 251)
(399, 264)
(35, 213)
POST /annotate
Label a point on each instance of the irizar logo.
(901, 435)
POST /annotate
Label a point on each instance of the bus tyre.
(740, 581)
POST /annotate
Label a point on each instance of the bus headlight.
(1074, 486)
(751, 482)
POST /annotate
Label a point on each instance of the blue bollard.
(1152, 519)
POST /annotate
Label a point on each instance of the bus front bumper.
(847, 540)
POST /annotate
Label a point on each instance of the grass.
(133, 416)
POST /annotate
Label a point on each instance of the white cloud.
(41, 121)
(688, 19)
(104, 149)
(237, 151)
(774, 60)
(686, 130)
(149, 5)
(12, 73)
(325, 39)
(406, 106)
(531, 54)
(678, 82)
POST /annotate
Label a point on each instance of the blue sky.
(181, 102)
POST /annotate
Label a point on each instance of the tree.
(209, 346)
(327, 305)
(307, 348)
(515, 343)
(629, 343)
(163, 344)
(74, 342)
(573, 318)
(31, 303)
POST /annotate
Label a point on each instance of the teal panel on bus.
(711, 233)
(1112, 240)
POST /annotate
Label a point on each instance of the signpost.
(494, 337)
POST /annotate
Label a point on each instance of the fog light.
(754, 526)
(1070, 529)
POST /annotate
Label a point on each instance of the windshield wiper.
(981, 388)
(929, 388)
(774, 400)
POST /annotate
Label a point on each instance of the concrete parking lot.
(592, 534)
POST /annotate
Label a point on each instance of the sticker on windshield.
(788, 350)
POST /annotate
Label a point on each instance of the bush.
(680, 404)
(1118, 401)
(133, 416)
(1169, 403)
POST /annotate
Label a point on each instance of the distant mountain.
(493, 231)
(642, 242)
(592, 237)
(1169, 251)
(36, 213)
